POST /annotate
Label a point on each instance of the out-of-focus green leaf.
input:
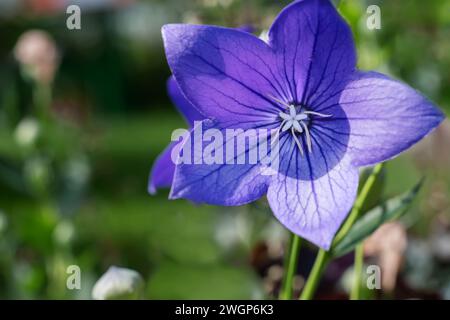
(173, 281)
(368, 223)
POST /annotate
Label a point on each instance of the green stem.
(324, 256)
(290, 265)
(357, 273)
(354, 214)
(315, 275)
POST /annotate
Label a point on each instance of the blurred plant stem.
(42, 97)
(290, 266)
(357, 272)
(323, 257)
(316, 273)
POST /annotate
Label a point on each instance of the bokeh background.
(84, 113)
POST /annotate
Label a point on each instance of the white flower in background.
(64, 233)
(26, 132)
(36, 51)
(118, 283)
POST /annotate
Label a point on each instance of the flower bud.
(118, 283)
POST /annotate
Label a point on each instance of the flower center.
(297, 120)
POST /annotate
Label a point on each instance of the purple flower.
(162, 172)
(303, 84)
(164, 168)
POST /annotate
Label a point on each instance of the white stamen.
(299, 145)
(308, 137)
(278, 100)
(275, 137)
(297, 121)
(317, 114)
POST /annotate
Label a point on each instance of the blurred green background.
(77, 145)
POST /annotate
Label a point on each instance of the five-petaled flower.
(303, 83)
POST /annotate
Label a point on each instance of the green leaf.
(390, 210)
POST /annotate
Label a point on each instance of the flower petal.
(183, 105)
(218, 184)
(226, 73)
(386, 117)
(314, 46)
(314, 209)
(163, 169)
